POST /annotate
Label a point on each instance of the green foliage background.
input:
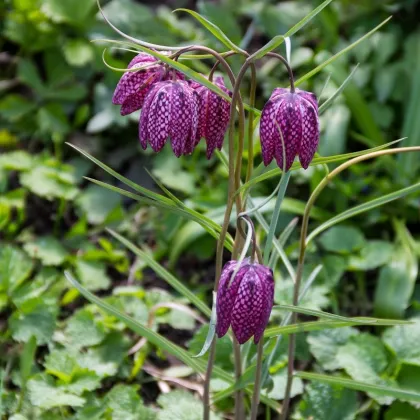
(61, 357)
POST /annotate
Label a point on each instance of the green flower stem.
(252, 91)
(302, 248)
(257, 384)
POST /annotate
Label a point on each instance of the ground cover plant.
(334, 247)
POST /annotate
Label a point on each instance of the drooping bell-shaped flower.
(296, 115)
(214, 115)
(133, 86)
(244, 302)
(170, 111)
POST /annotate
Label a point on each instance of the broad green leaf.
(398, 278)
(213, 29)
(403, 411)
(168, 277)
(78, 52)
(27, 360)
(97, 203)
(68, 11)
(44, 393)
(14, 107)
(324, 345)
(327, 402)
(125, 404)
(364, 359)
(47, 249)
(93, 274)
(339, 54)
(403, 341)
(279, 39)
(15, 267)
(372, 255)
(36, 320)
(279, 386)
(385, 391)
(181, 405)
(342, 239)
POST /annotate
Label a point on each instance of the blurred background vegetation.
(62, 358)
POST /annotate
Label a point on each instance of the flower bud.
(296, 115)
(170, 110)
(244, 302)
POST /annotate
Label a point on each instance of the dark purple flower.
(133, 86)
(170, 110)
(214, 115)
(297, 116)
(244, 302)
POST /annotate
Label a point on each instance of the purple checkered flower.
(133, 86)
(244, 302)
(170, 110)
(296, 115)
(214, 115)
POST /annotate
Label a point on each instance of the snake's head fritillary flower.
(133, 86)
(296, 115)
(244, 302)
(170, 111)
(214, 113)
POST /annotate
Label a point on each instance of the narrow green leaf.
(363, 208)
(323, 325)
(330, 100)
(279, 39)
(340, 53)
(126, 181)
(166, 275)
(206, 223)
(316, 161)
(212, 329)
(212, 28)
(321, 314)
(361, 386)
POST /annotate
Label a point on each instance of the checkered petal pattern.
(295, 115)
(170, 110)
(134, 86)
(213, 117)
(245, 302)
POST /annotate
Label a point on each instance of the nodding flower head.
(213, 116)
(170, 110)
(244, 302)
(133, 86)
(296, 115)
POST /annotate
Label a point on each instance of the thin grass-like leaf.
(330, 100)
(363, 208)
(162, 272)
(401, 394)
(324, 325)
(212, 329)
(320, 314)
(207, 224)
(213, 29)
(340, 53)
(279, 39)
(124, 180)
(316, 161)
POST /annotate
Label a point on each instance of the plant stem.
(302, 248)
(239, 395)
(257, 384)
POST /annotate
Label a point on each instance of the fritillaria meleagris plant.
(185, 110)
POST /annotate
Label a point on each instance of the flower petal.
(268, 130)
(310, 132)
(226, 298)
(289, 120)
(249, 305)
(144, 117)
(267, 280)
